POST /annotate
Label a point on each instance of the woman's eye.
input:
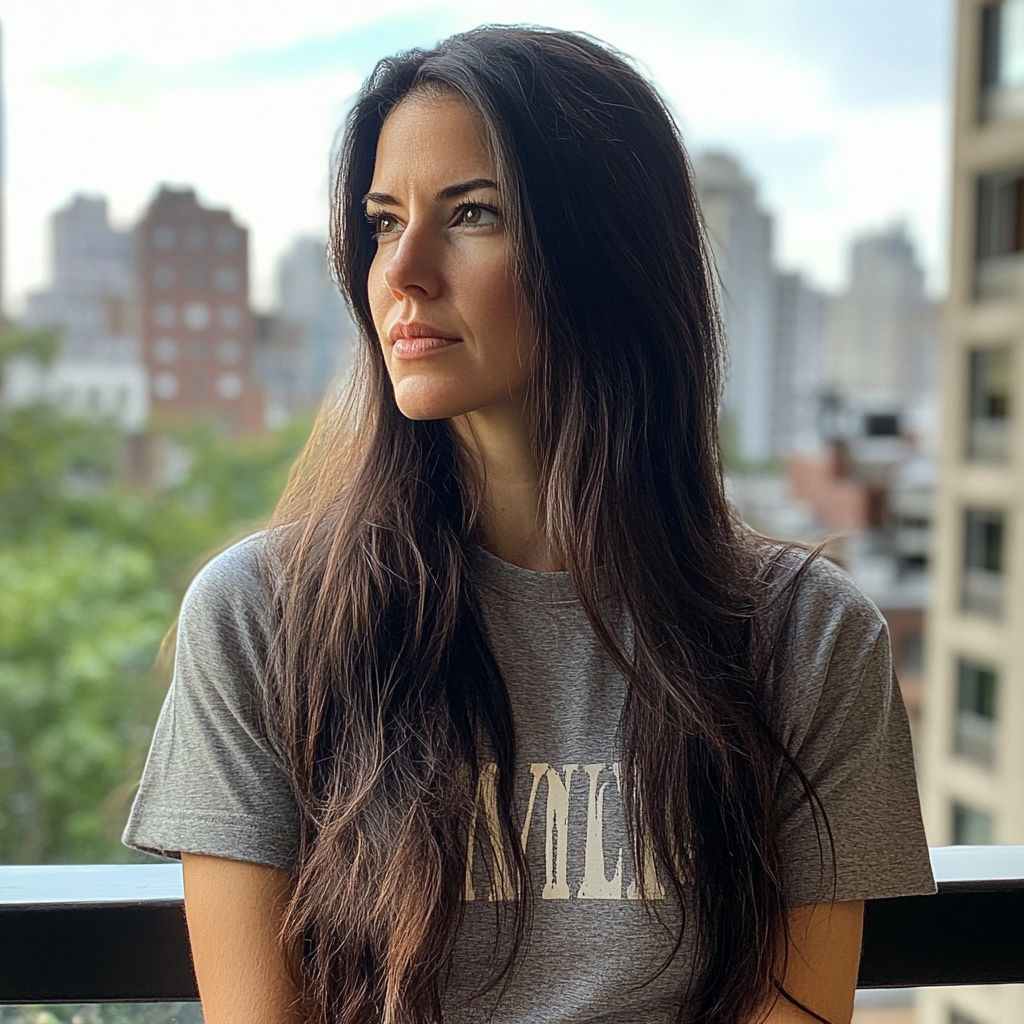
(477, 216)
(384, 224)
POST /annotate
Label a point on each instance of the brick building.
(197, 331)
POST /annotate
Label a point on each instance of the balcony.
(988, 440)
(983, 592)
(116, 933)
(1000, 278)
(974, 738)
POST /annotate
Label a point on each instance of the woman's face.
(442, 294)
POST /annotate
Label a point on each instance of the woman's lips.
(415, 339)
(419, 348)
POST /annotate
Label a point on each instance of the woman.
(506, 717)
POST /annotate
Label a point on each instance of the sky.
(840, 111)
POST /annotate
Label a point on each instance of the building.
(307, 344)
(740, 233)
(90, 290)
(882, 332)
(98, 369)
(197, 331)
(799, 366)
(973, 755)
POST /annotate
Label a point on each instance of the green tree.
(91, 573)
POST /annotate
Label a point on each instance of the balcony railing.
(983, 592)
(116, 933)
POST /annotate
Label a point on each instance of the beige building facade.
(972, 754)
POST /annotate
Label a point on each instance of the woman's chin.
(422, 400)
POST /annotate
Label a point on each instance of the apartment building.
(198, 333)
(972, 761)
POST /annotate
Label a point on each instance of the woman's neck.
(499, 444)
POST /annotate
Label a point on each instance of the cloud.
(128, 79)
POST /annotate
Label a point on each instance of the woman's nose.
(413, 268)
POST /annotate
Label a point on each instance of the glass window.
(195, 239)
(882, 425)
(989, 405)
(197, 315)
(1002, 60)
(229, 351)
(227, 279)
(1000, 241)
(165, 385)
(972, 827)
(164, 315)
(229, 316)
(229, 385)
(196, 276)
(984, 543)
(163, 237)
(165, 350)
(163, 276)
(227, 240)
(975, 731)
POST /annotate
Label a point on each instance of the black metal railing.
(116, 933)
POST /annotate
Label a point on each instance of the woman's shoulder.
(824, 612)
(235, 586)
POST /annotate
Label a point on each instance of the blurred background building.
(198, 334)
(307, 342)
(972, 757)
(155, 328)
(740, 233)
(98, 367)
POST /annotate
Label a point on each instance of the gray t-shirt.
(212, 785)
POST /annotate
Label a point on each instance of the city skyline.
(843, 139)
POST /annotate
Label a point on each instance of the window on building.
(163, 276)
(229, 385)
(165, 386)
(229, 351)
(975, 731)
(882, 425)
(164, 315)
(227, 239)
(1000, 242)
(196, 276)
(229, 317)
(197, 316)
(165, 350)
(984, 557)
(163, 237)
(1002, 60)
(195, 239)
(972, 827)
(988, 405)
(227, 279)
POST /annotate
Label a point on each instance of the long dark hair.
(383, 691)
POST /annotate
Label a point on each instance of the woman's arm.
(824, 955)
(234, 918)
(234, 912)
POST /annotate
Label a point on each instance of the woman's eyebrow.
(453, 191)
(448, 192)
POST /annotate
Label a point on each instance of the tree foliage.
(92, 570)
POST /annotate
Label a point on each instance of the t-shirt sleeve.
(211, 783)
(842, 719)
